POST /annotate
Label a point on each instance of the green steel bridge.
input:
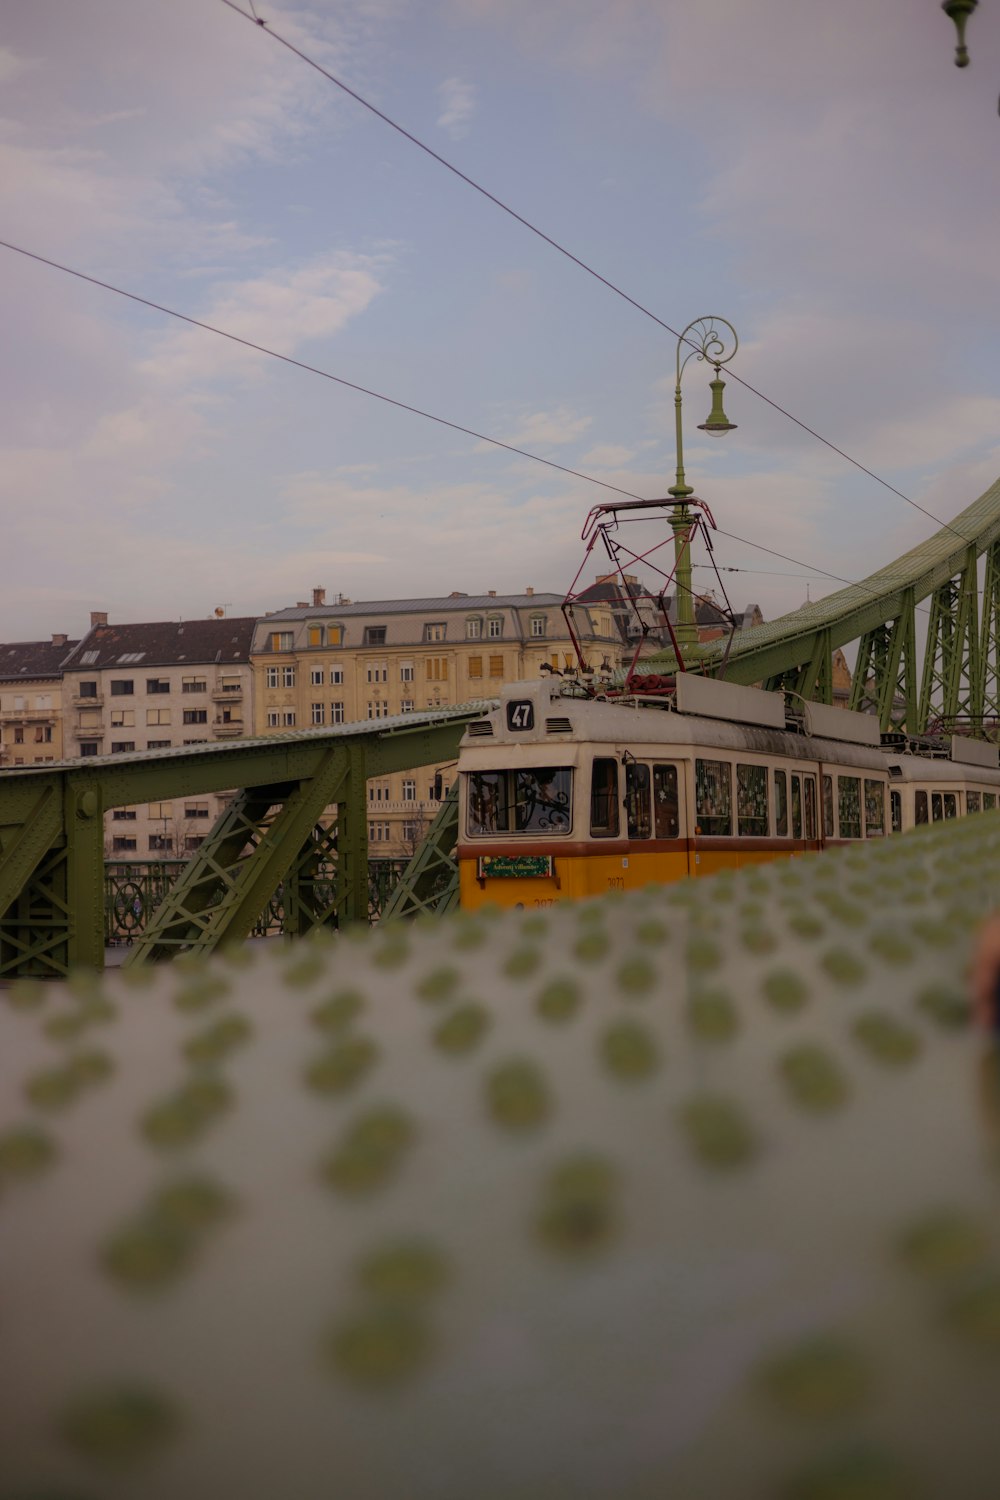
(956, 682)
(273, 838)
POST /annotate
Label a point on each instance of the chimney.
(98, 617)
(530, 592)
(491, 593)
(319, 597)
(302, 604)
(59, 640)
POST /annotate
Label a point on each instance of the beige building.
(130, 688)
(323, 664)
(31, 729)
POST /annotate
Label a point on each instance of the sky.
(820, 175)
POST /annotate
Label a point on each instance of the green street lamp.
(960, 11)
(701, 339)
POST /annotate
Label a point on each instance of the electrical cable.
(576, 259)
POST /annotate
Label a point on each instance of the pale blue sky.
(819, 174)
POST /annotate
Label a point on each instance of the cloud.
(458, 105)
(281, 311)
(607, 456)
(548, 428)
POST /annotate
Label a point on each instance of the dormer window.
(474, 628)
(436, 631)
(537, 625)
(494, 627)
(375, 635)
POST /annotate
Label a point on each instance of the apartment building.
(31, 729)
(153, 686)
(323, 664)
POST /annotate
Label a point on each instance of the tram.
(565, 793)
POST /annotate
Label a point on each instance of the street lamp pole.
(701, 339)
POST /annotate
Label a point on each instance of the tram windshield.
(536, 800)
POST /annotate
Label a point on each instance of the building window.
(538, 625)
(196, 716)
(374, 635)
(122, 747)
(435, 632)
(336, 713)
(158, 745)
(315, 635)
(122, 687)
(273, 718)
(317, 676)
(122, 718)
(437, 668)
(231, 685)
(194, 684)
(18, 734)
(122, 845)
(474, 629)
(406, 671)
(475, 666)
(288, 718)
(378, 833)
(43, 734)
(88, 689)
(271, 677)
(157, 685)
(378, 710)
(496, 666)
(196, 810)
(378, 671)
(124, 815)
(494, 627)
(201, 741)
(410, 832)
(194, 841)
(88, 748)
(288, 677)
(157, 716)
(336, 676)
(409, 790)
(378, 791)
(319, 713)
(160, 843)
(406, 707)
(160, 809)
(282, 640)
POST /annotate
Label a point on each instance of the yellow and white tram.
(562, 796)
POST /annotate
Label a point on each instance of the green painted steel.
(958, 683)
(430, 881)
(51, 837)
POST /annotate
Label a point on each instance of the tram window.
(604, 799)
(534, 801)
(989, 801)
(920, 807)
(951, 805)
(751, 801)
(937, 808)
(489, 810)
(796, 807)
(781, 804)
(637, 809)
(972, 802)
(713, 783)
(542, 799)
(896, 811)
(849, 788)
(828, 807)
(874, 810)
(666, 822)
(809, 788)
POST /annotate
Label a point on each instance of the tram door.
(804, 805)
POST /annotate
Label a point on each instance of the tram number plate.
(514, 866)
(520, 716)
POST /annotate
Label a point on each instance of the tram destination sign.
(514, 866)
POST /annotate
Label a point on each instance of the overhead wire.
(416, 411)
(576, 259)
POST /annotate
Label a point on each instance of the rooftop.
(164, 643)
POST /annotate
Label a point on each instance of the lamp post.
(703, 340)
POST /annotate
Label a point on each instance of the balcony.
(228, 729)
(28, 716)
(227, 694)
(80, 701)
(79, 733)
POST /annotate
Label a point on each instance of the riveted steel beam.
(430, 881)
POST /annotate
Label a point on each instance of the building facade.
(31, 722)
(325, 664)
(130, 688)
